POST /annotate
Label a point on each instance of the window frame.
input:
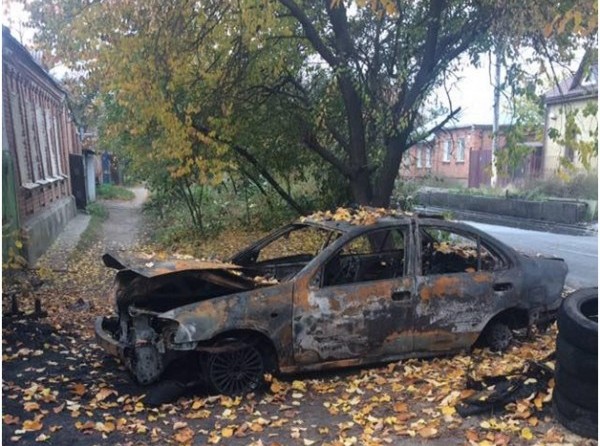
(447, 151)
(319, 276)
(460, 151)
(506, 263)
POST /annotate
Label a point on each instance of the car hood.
(152, 266)
(163, 283)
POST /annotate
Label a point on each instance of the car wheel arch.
(250, 335)
(512, 317)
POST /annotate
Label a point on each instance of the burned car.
(331, 290)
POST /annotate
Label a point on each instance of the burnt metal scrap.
(334, 289)
(494, 393)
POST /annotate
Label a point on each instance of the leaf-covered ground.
(60, 388)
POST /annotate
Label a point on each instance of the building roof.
(8, 41)
(582, 85)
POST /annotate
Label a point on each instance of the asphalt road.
(580, 252)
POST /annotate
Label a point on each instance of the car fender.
(267, 310)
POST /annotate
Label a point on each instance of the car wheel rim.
(500, 338)
(237, 371)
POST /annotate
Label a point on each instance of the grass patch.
(93, 232)
(113, 192)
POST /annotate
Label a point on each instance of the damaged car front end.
(142, 334)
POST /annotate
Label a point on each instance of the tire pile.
(575, 397)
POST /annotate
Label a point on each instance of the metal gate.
(76, 169)
(480, 164)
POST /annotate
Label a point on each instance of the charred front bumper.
(106, 329)
(142, 341)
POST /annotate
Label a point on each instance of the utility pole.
(496, 123)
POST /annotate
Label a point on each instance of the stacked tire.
(575, 397)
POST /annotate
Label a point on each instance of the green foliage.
(580, 186)
(405, 194)
(114, 192)
(583, 186)
(14, 260)
(236, 203)
(276, 90)
(527, 126)
(577, 140)
(97, 210)
(93, 232)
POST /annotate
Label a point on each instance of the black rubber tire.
(575, 418)
(498, 336)
(576, 361)
(236, 372)
(583, 393)
(578, 319)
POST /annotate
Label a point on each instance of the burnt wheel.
(236, 372)
(498, 336)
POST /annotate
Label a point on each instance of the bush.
(581, 186)
(113, 192)
(97, 210)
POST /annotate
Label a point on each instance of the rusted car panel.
(369, 289)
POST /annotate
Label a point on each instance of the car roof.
(361, 218)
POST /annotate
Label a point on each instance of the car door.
(459, 285)
(358, 303)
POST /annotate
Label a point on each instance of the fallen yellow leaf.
(31, 406)
(32, 425)
(427, 432)
(526, 433)
(227, 432)
(105, 393)
(78, 389)
(448, 410)
(184, 435)
(9, 419)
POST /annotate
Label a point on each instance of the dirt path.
(124, 228)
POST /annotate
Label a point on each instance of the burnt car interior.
(444, 251)
(300, 243)
(377, 255)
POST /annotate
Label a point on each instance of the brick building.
(462, 156)
(37, 138)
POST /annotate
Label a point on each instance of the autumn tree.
(289, 86)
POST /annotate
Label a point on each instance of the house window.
(52, 146)
(419, 159)
(34, 153)
(428, 151)
(42, 141)
(447, 150)
(20, 138)
(460, 151)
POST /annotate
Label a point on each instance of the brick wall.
(450, 153)
(38, 129)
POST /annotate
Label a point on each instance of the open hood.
(166, 283)
(149, 266)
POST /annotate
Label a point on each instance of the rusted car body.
(401, 286)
